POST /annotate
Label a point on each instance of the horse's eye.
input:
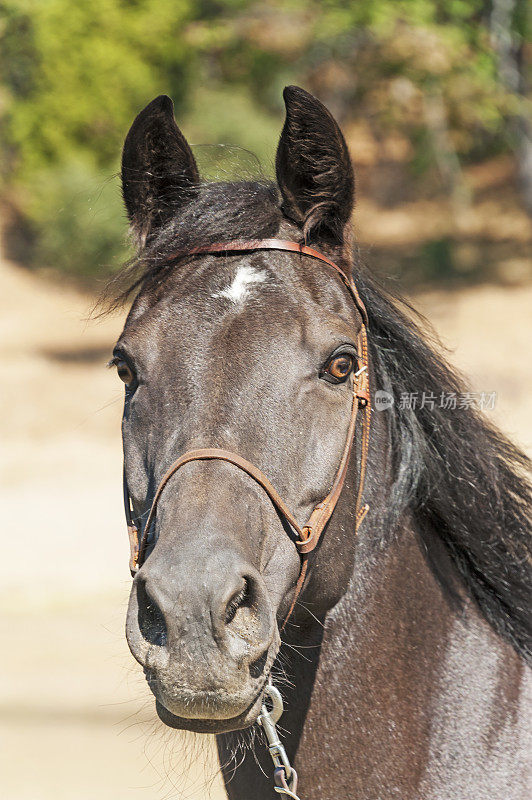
(338, 368)
(125, 373)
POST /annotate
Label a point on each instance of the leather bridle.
(307, 536)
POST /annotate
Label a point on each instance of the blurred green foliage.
(74, 75)
(75, 216)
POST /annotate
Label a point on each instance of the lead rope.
(284, 775)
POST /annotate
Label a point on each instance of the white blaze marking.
(239, 289)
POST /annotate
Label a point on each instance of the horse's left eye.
(338, 368)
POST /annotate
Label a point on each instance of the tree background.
(434, 97)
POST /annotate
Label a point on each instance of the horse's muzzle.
(205, 634)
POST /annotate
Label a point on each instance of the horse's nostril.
(256, 668)
(240, 599)
(244, 625)
(150, 618)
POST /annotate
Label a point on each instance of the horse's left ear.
(314, 170)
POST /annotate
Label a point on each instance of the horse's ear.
(159, 172)
(314, 170)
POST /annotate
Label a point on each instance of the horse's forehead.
(254, 295)
(243, 302)
(242, 284)
(210, 295)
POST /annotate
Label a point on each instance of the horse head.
(251, 352)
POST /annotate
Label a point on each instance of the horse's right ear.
(159, 172)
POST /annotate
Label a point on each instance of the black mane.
(460, 477)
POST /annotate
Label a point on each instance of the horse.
(402, 654)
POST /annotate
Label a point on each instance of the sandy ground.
(76, 718)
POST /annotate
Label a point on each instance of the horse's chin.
(203, 725)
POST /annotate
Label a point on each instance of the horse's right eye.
(125, 373)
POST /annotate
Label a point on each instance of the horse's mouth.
(204, 725)
(198, 707)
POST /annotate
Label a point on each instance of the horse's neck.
(400, 694)
(397, 692)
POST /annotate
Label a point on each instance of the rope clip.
(285, 776)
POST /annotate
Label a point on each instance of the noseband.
(306, 537)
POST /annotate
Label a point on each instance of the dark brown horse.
(403, 666)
